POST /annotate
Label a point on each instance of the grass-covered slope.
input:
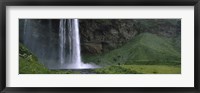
(144, 49)
(145, 54)
(28, 64)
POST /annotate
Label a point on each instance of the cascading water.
(73, 61)
(62, 52)
(27, 33)
(76, 55)
(62, 38)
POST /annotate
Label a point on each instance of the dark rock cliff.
(102, 35)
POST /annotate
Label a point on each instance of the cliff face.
(101, 35)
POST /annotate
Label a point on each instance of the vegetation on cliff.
(29, 64)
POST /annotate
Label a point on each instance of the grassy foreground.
(139, 69)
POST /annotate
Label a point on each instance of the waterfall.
(62, 38)
(62, 52)
(76, 55)
(73, 40)
(27, 34)
(26, 28)
(73, 59)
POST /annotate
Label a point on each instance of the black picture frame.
(4, 3)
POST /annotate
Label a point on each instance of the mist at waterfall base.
(55, 42)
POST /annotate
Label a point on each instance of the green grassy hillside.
(144, 49)
(145, 54)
